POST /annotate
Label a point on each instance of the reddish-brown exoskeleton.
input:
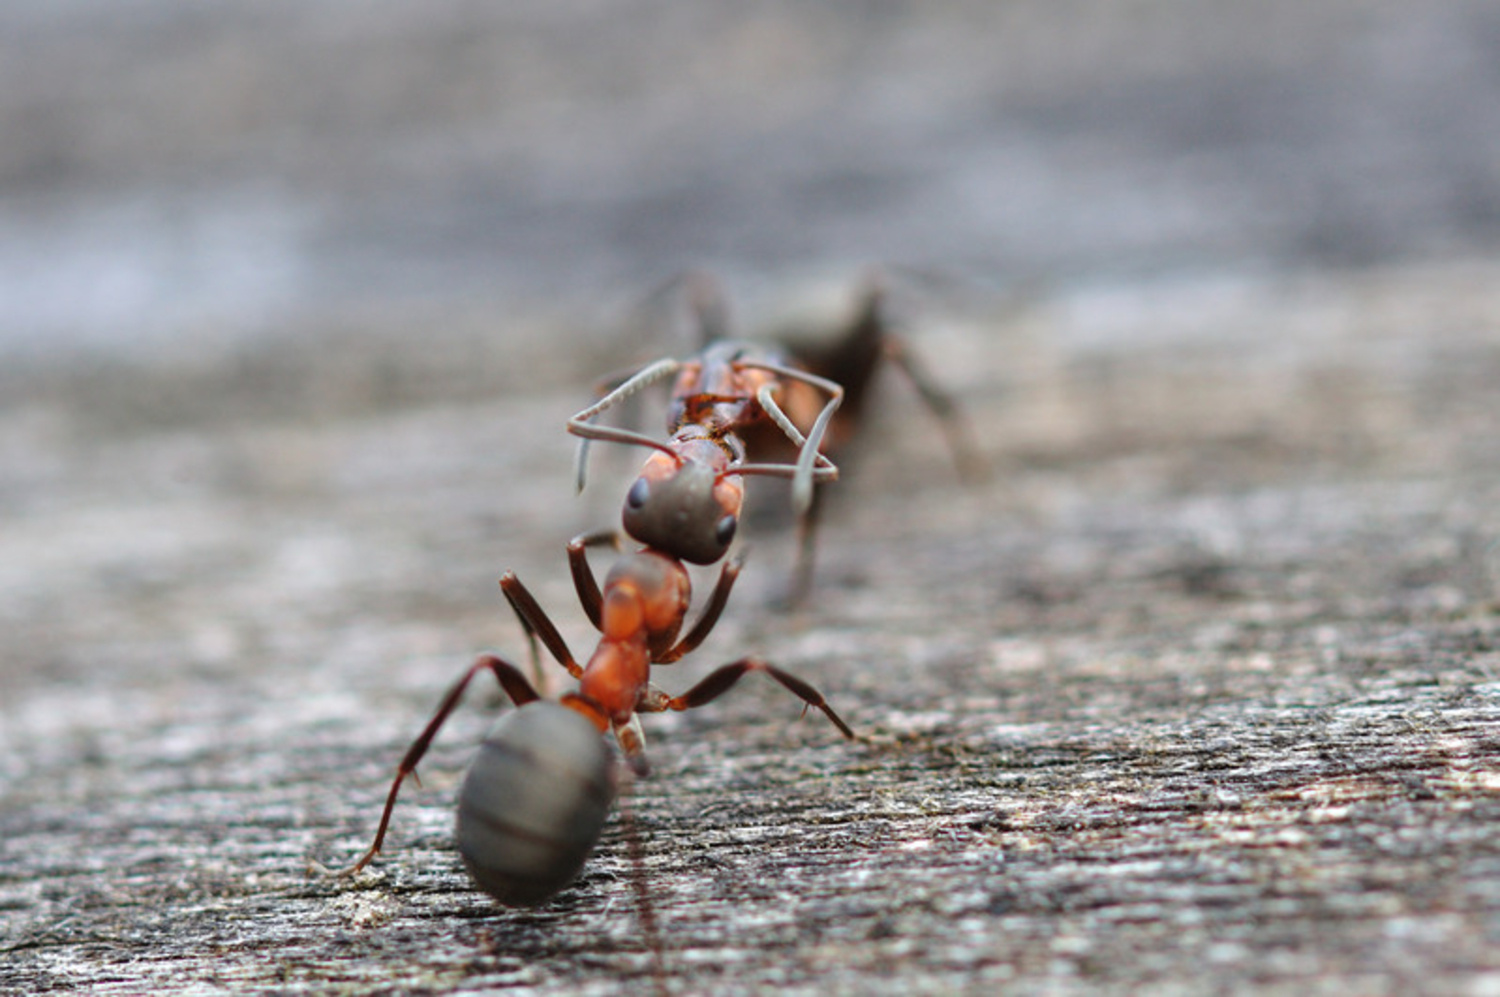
(687, 497)
(534, 802)
(639, 613)
(740, 403)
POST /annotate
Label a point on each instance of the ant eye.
(639, 493)
(724, 531)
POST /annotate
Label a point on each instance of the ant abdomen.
(534, 802)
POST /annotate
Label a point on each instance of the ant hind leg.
(516, 687)
(722, 679)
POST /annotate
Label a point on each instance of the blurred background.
(197, 183)
(294, 298)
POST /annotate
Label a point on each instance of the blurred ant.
(745, 397)
(687, 498)
(852, 354)
(534, 801)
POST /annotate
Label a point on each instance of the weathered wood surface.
(1198, 692)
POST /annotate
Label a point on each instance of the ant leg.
(808, 456)
(583, 575)
(721, 679)
(582, 425)
(536, 622)
(829, 387)
(709, 305)
(706, 307)
(708, 617)
(511, 680)
(802, 569)
(972, 466)
(812, 465)
(632, 741)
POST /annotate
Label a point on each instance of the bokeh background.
(177, 177)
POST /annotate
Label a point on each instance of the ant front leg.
(583, 575)
(811, 463)
(710, 615)
(511, 680)
(802, 570)
(537, 624)
(722, 679)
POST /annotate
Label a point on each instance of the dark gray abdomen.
(534, 802)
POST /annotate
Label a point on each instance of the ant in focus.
(535, 799)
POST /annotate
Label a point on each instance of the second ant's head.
(684, 502)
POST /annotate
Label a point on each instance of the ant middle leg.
(967, 456)
(516, 687)
(632, 740)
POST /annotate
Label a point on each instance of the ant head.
(684, 506)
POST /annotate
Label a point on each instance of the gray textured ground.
(1198, 692)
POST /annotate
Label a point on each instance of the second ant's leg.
(970, 460)
(709, 305)
(809, 459)
(537, 624)
(722, 679)
(708, 617)
(511, 680)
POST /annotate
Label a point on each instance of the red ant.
(534, 802)
(735, 396)
(687, 498)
